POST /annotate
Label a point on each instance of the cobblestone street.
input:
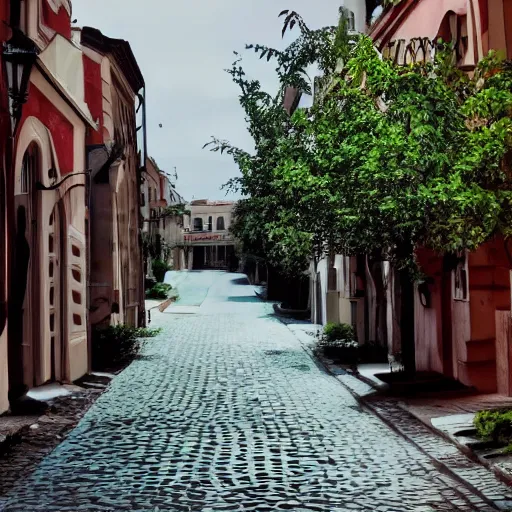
(226, 411)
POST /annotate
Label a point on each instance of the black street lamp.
(19, 55)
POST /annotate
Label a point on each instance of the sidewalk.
(26, 440)
(430, 424)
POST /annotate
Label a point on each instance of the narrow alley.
(224, 410)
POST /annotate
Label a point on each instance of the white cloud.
(183, 47)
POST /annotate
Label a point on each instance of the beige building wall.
(205, 211)
(60, 209)
(117, 295)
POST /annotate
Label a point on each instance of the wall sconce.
(425, 293)
(19, 55)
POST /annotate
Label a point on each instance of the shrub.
(494, 425)
(117, 345)
(159, 291)
(114, 346)
(338, 341)
(148, 332)
(159, 269)
(336, 332)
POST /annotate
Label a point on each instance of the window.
(353, 314)
(461, 280)
(198, 224)
(332, 279)
(210, 223)
(220, 224)
(27, 168)
(351, 19)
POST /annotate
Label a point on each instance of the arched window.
(460, 279)
(332, 280)
(27, 170)
(198, 224)
(220, 224)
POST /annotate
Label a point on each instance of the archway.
(27, 351)
(36, 339)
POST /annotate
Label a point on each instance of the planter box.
(348, 356)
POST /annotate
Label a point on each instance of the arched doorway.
(25, 278)
(37, 294)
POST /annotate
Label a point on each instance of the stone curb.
(505, 505)
(504, 476)
(437, 462)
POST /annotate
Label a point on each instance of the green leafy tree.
(388, 158)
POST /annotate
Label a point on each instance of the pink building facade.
(69, 194)
(47, 214)
(462, 313)
(115, 90)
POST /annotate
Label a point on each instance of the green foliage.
(114, 346)
(388, 158)
(159, 291)
(175, 210)
(494, 425)
(148, 332)
(159, 269)
(338, 342)
(335, 332)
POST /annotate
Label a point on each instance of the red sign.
(206, 237)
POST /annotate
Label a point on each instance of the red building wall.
(40, 106)
(94, 98)
(60, 22)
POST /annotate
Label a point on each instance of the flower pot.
(345, 355)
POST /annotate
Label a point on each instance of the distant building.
(207, 240)
(163, 229)
(114, 83)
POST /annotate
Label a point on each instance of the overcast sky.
(183, 47)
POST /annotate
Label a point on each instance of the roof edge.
(120, 50)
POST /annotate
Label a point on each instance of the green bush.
(494, 425)
(117, 345)
(148, 332)
(114, 346)
(338, 342)
(159, 269)
(159, 291)
(338, 332)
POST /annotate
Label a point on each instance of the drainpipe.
(142, 295)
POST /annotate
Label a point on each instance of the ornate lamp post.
(19, 55)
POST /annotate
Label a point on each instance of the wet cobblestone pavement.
(226, 411)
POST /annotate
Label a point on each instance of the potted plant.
(338, 341)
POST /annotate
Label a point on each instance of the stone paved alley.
(226, 411)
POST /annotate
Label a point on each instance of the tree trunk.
(407, 322)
